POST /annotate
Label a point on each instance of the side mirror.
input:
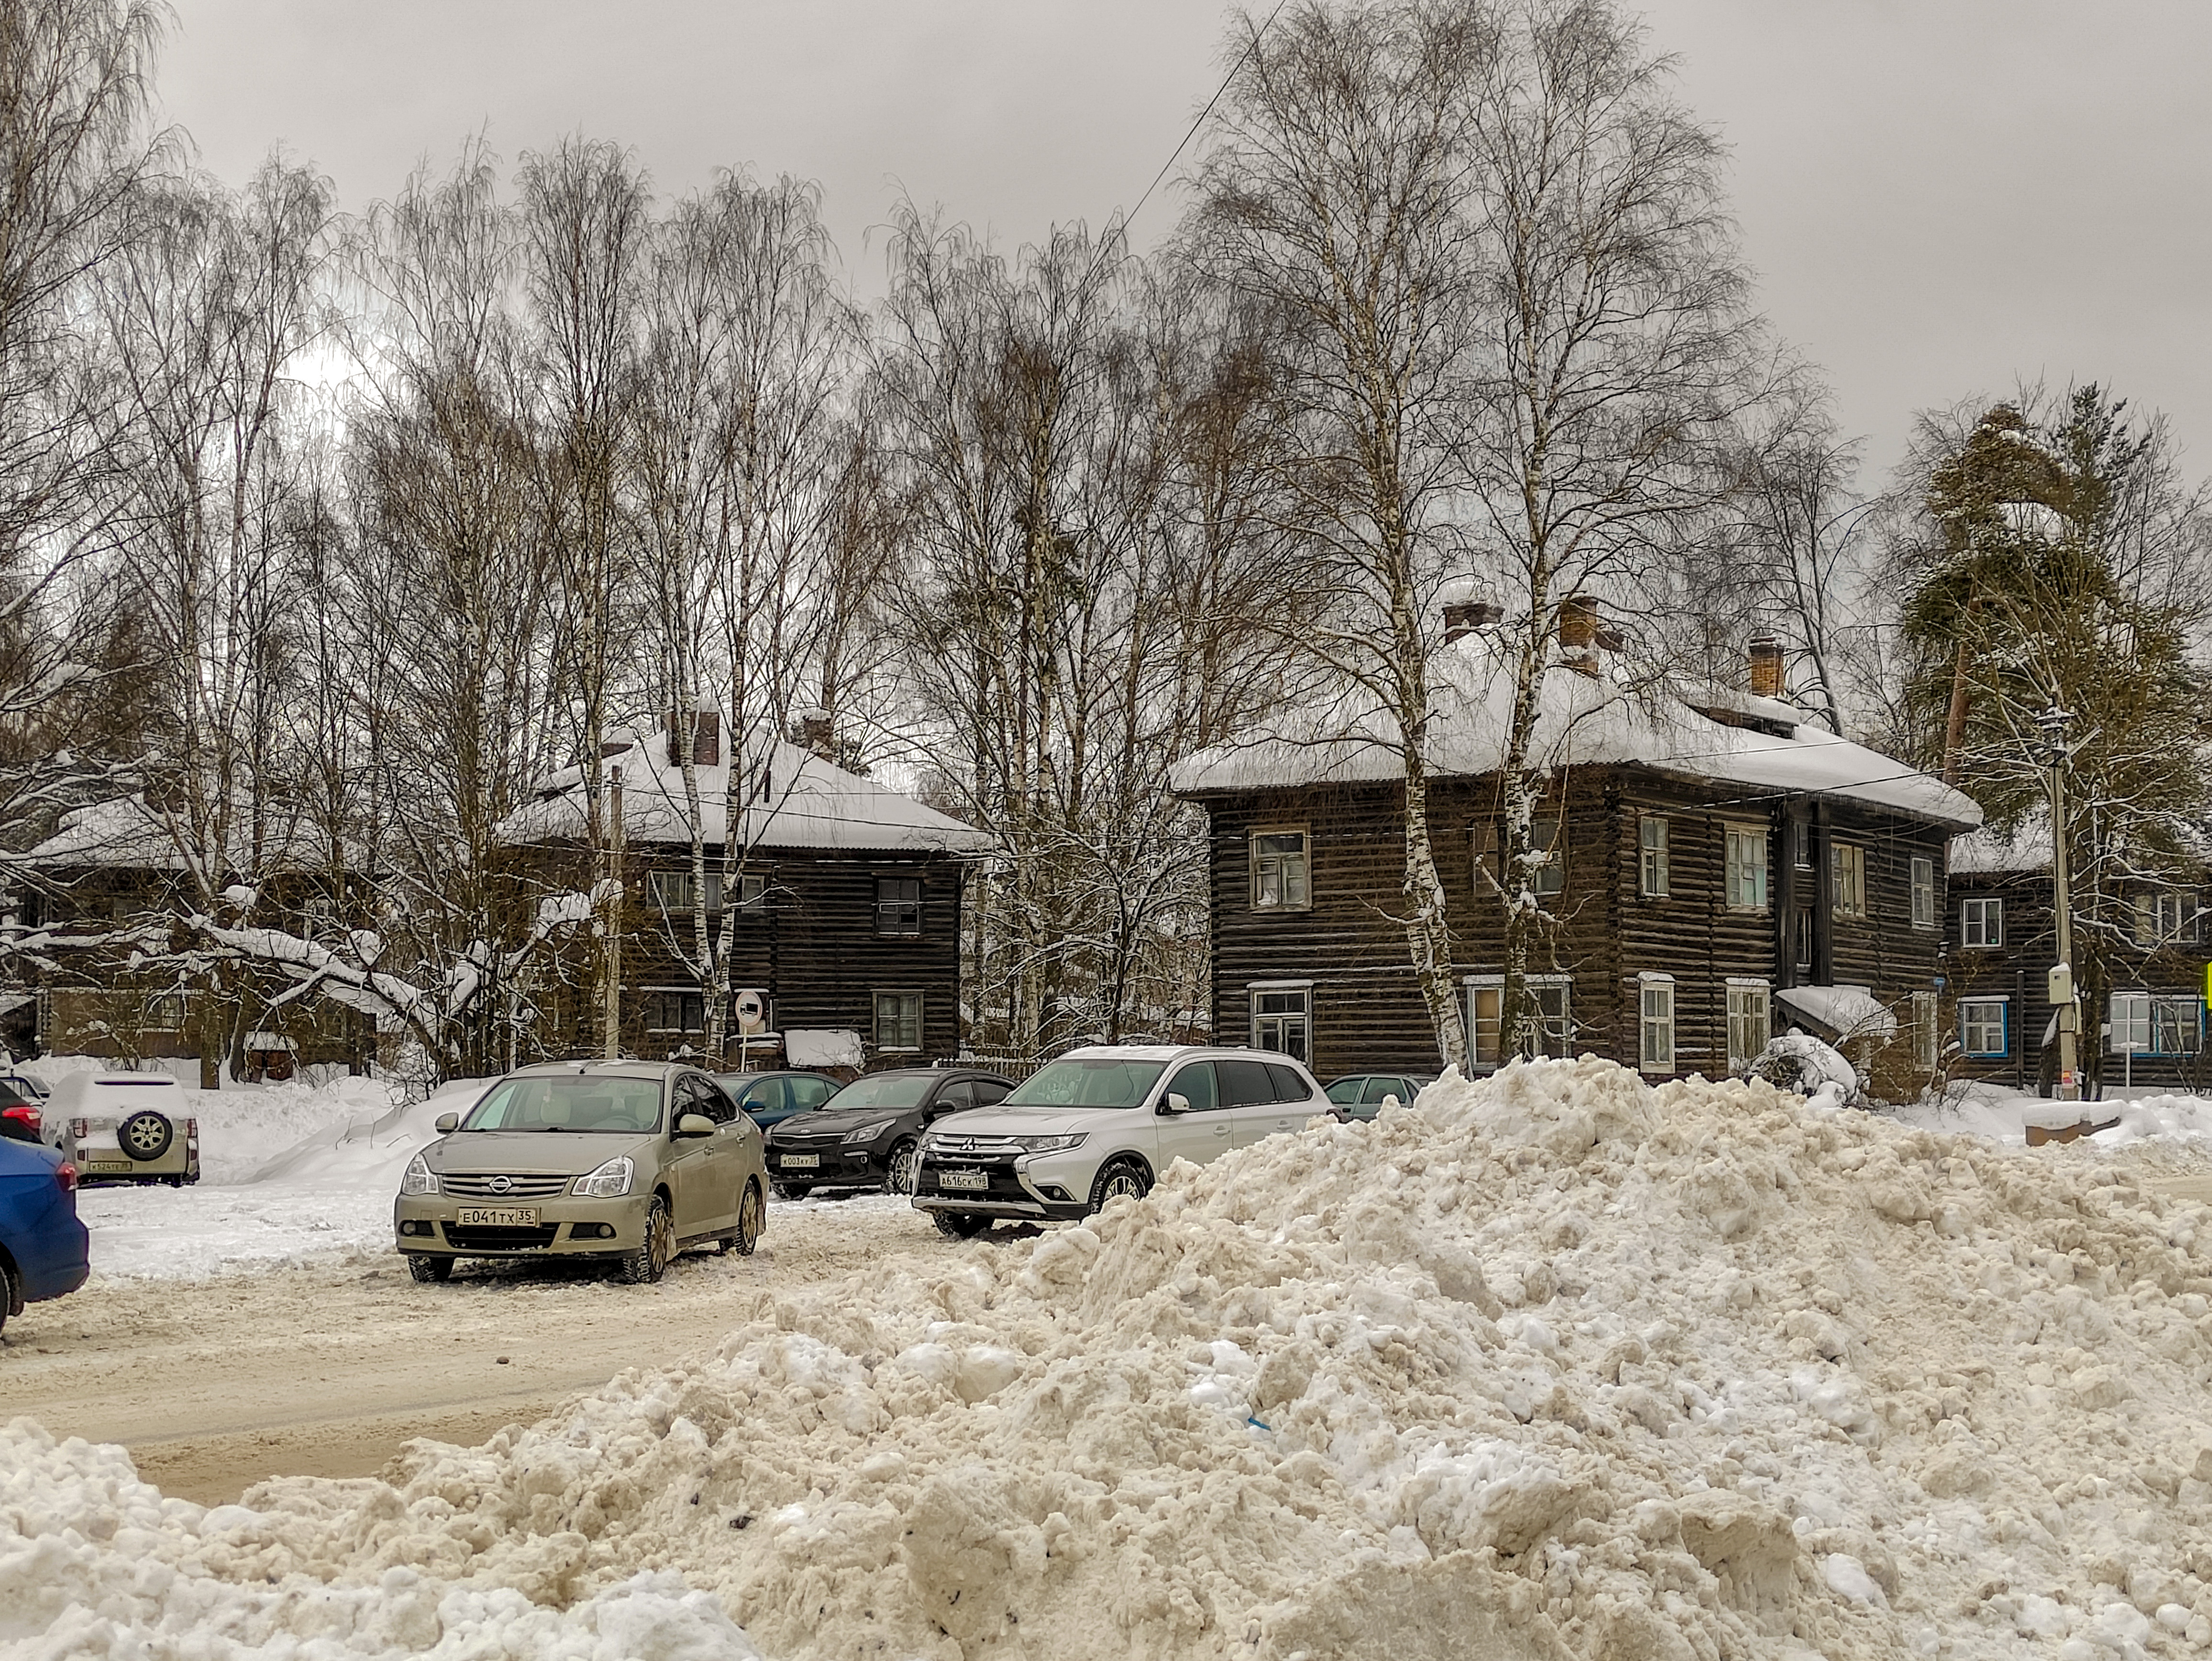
(448, 1123)
(1174, 1102)
(695, 1124)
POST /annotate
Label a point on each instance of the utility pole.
(610, 1020)
(2054, 722)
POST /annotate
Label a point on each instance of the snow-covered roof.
(1988, 852)
(1761, 746)
(125, 833)
(1848, 1012)
(802, 801)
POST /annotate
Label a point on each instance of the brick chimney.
(1766, 676)
(811, 729)
(1463, 618)
(704, 728)
(1578, 634)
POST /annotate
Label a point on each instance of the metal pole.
(611, 1037)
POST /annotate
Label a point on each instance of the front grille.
(500, 1239)
(1004, 1184)
(978, 1148)
(520, 1184)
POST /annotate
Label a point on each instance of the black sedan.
(866, 1136)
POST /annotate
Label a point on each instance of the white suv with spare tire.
(126, 1127)
(1103, 1121)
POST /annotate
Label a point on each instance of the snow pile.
(328, 1193)
(1551, 1365)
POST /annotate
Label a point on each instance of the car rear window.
(630, 1105)
(1291, 1085)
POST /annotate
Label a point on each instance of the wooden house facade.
(2144, 987)
(844, 914)
(1719, 871)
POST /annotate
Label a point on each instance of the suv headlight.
(610, 1181)
(1053, 1144)
(418, 1177)
(868, 1132)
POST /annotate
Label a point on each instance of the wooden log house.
(1719, 870)
(846, 947)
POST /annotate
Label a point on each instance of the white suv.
(1103, 1122)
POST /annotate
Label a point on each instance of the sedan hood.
(573, 1152)
(1034, 1121)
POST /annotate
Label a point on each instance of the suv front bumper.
(1033, 1185)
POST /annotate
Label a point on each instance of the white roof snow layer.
(1585, 721)
(803, 801)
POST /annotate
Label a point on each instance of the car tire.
(429, 1270)
(10, 1294)
(650, 1261)
(793, 1191)
(902, 1166)
(1116, 1179)
(752, 1217)
(145, 1136)
(960, 1225)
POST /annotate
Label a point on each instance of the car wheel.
(429, 1270)
(793, 1191)
(960, 1225)
(8, 1295)
(752, 1215)
(650, 1261)
(145, 1136)
(1119, 1179)
(902, 1169)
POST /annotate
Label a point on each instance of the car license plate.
(799, 1161)
(107, 1167)
(971, 1180)
(498, 1216)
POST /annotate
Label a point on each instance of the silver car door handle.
(1221, 1130)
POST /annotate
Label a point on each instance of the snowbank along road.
(1555, 1365)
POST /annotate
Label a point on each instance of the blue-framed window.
(2157, 1023)
(1985, 1026)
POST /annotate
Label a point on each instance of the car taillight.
(67, 1172)
(80, 1128)
(24, 1113)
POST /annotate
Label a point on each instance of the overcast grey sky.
(1940, 196)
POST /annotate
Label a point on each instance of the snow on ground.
(1553, 1365)
(287, 1171)
(2004, 1116)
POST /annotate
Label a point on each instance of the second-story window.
(1923, 893)
(1548, 838)
(1279, 870)
(898, 906)
(2163, 919)
(678, 891)
(1849, 879)
(1981, 923)
(1652, 867)
(1746, 867)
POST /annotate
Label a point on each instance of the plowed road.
(324, 1369)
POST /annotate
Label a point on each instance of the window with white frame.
(1485, 1002)
(898, 1021)
(1981, 923)
(674, 1009)
(1927, 1041)
(1985, 1027)
(2164, 918)
(1279, 870)
(678, 891)
(1923, 892)
(1655, 1048)
(2156, 1024)
(1750, 1023)
(1849, 878)
(1745, 866)
(1282, 1018)
(1651, 866)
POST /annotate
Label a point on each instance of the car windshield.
(885, 1090)
(631, 1105)
(1087, 1084)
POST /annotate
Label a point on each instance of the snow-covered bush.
(1797, 1061)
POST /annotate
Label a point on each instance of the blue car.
(43, 1246)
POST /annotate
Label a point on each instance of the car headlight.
(419, 1179)
(868, 1132)
(610, 1181)
(1053, 1144)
